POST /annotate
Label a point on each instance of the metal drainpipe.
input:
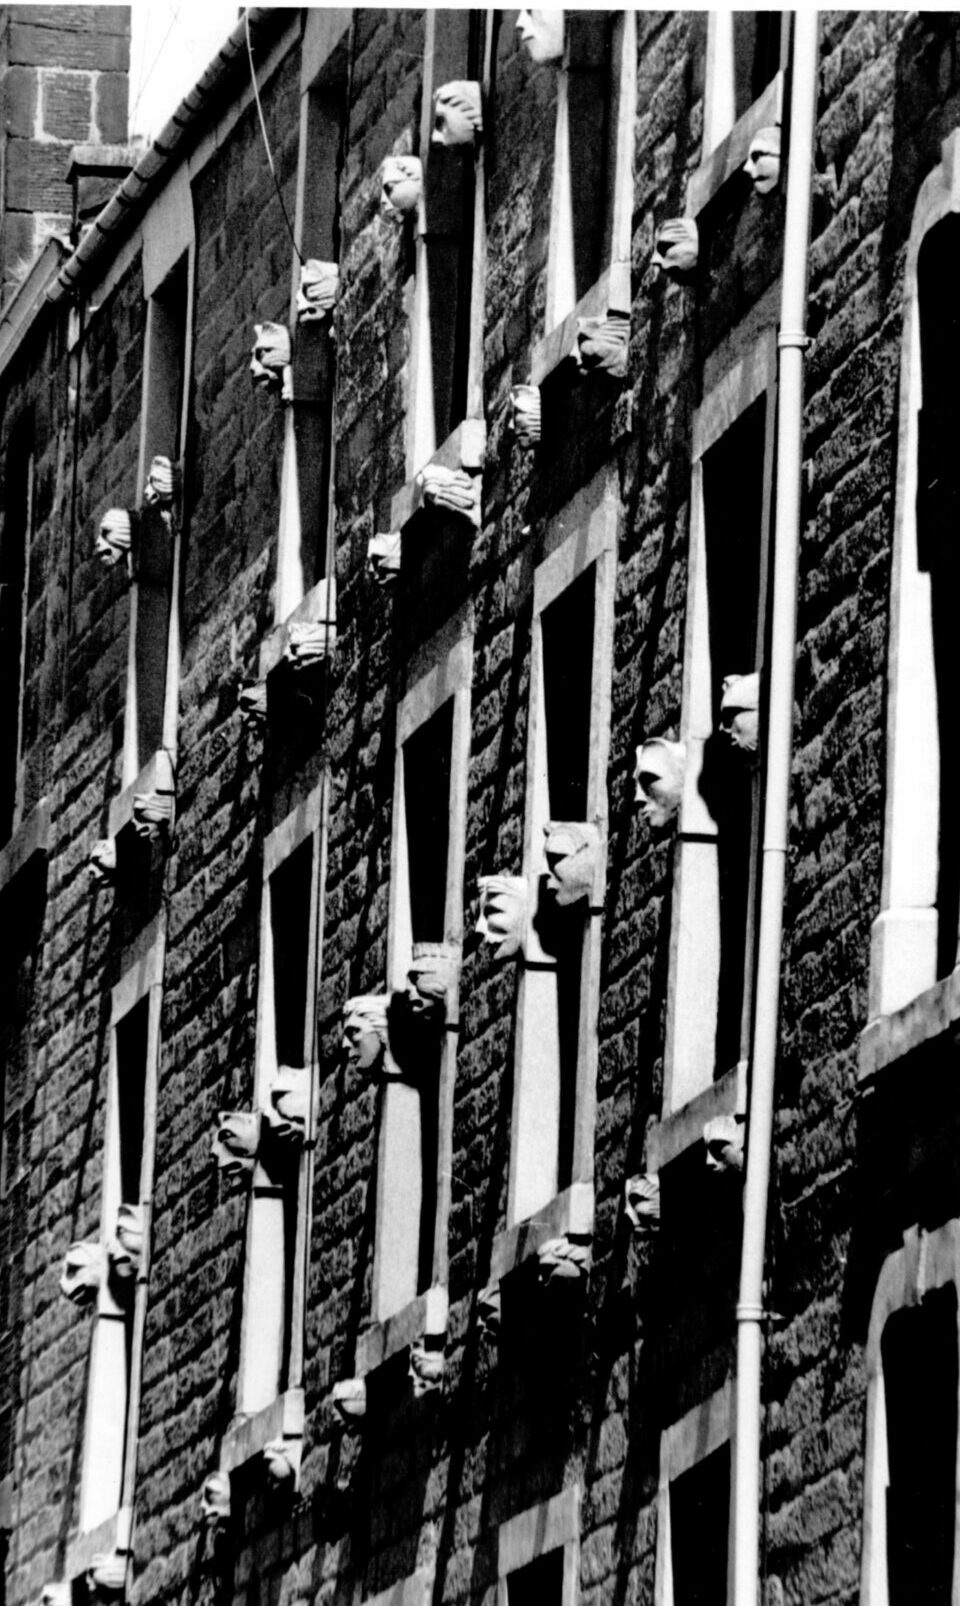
(789, 461)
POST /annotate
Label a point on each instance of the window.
(14, 559)
(538, 1554)
(113, 1398)
(694, 1506)
(426, 908)
(709, 1015)
(910, 1548)
(747, 55)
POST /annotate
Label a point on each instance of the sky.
(172, 41)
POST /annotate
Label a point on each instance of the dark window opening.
(919, 1355)
(591, 124)
(132, 1040)
(154, 572)
(17, 519)
(429, 1162)
(699, 1526)
(427, 756)
(567, 628)
(168, 334)
(938, 509)
(756, 55)
(290, 907)
(540, 1583)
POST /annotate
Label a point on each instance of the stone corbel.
(349, 1401)
(562, 1261)
(107, 1576)
(282, 1462)
(504, 903)
(114, 536)
(489, 1310)
(253, 703)
(270, 362)
(677, 247)
(84, 1272)
(457, 113)
(602, 344)
(723, 1140)
(236, 1144)
(383, 558)
(401, 187)
(319, 288)
(642, 1202)
(573, 852)
(453, 490)
(102, 863)
(366, 1035)
(525, 417)
(288, 1110)
(310, 642)
(215, 1501)
(425, 1369)
(126, 1247)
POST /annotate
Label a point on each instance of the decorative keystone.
(289, 1106)
(677, 247)
(160, 488)
(152, 813)
(426, 1369)
(215, 1500)
(762, 165)
(740, 711)
(525, 416)
(457, 113)
(253, 702)
(126, 1247)
(658, 779)
(84, 1272)
(401, 185)
(310, 642)
(349, 1400)
(541, 34)
(602, 344)
(236, 1143)
(319, 287)
(453, 489)
(383, 557)
(102, 862)
(572, 851)
(270, 362)
(642, 1202)
(563, 1260)
(723, 1139)
(281, 1458)
(114, 536)
(107, 1576)
(503, 913)
(489, 1312)
(366, 1036)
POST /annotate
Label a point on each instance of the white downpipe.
(779, 736)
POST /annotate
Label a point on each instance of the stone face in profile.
(282, 1461)
(503, 913)
(572, 850)
(310, 642)
(658, 778)
(107, 1576)
(642, 1202)
(431, 980)
(215, 1499)
(457, 113)
(84, 1271)
(602, 344)
(426, 1369)
(349, 1400)
(677, 247)
(366, 1042)
(114, 536)
(541, 33)
(253, 702)
(126, 1247)
(152, 813)
(526, 414)
(317, 294)
(102, 862)
(236, 1143)
(563, 1260)
(271, 355)
(740, 711)
(383, 557)
(401, 185)
(451, 488)
(723, 1140)
(160, 487)
(289, 1107)
(762, 165)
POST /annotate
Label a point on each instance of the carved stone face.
(602, 344)
(113, 536)
(489, 1309)
(152, 813)
(160, 484)
(282, 1461)
(84, 1270)
(762, 165)
(317, 295)
(235, 1144)
(723, 1139)
(677, 247)
(309, 642)
(451, 488)
(740, 710)
(349, 1400)
(503, 910)
(401, 184)
(431, 979)
(253, 701)
(383, 557)
(572, 851)
(271, 355)
(426, 1369)
(127, 1248)
(365, 1031)
(215, 1499)
(290, 1103)
(107, 1575)
(659, 779)
(526, 414)
(542, 34)
(563, 1260)
(102, 862)
(457, 115)
(642, 1199)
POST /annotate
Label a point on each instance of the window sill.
(424, 1317)
(611, 293)
(111, 1534)
(892, 1037)
(156, 776)
(31, 838)
(248, 1436)
(463, 449)
(729, 156)
(319, 605)
(683, 1128)
(568, 1212)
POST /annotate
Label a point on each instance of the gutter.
(791, 342)
(152, 170)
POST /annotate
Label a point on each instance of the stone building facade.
(383, 806)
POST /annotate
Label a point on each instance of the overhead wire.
(266, 138)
